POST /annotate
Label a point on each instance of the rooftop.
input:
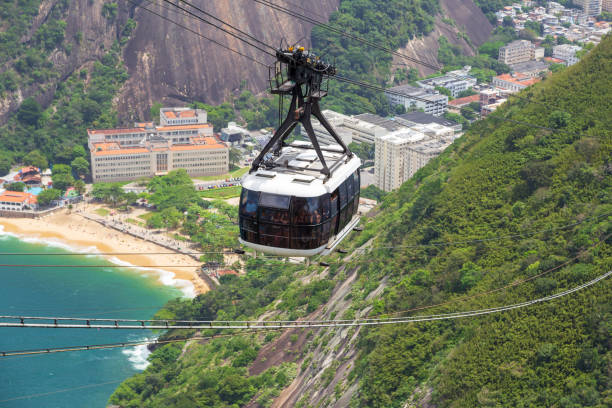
(518, 79)
(379, 121)
(529, 66)
(17, 197)
(465, 100)
(424, 118)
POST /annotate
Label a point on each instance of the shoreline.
(77, 233)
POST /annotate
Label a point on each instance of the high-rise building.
(411, 97)
(400, 154)
(590, 7)
(516, 52)
(606, 5)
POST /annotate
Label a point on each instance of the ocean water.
(78, 378)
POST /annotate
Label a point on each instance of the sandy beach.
(76, 231)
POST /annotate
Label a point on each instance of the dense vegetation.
(500, 179)
(83, 100)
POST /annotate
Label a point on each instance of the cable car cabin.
(291, 210)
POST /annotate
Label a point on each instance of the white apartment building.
(349, 128)
(432, 102)
(400, 154)
(146, 150)
(591, 8)
(567, 53)
(455, 81)
(17, 201)
(181, 116)
(606, 5)
(516, 52)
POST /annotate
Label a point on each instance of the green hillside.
(538, 203)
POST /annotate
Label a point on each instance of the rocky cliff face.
(470, 29)
(167, 63)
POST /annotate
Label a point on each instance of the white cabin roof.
(298, 172)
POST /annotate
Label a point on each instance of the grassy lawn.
(145, 216)
(102, 211)
(135, 222)
(226, 192)
(235, 173)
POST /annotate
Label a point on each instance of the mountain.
(517, 209)
(461, 22)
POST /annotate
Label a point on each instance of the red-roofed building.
(461, 102)
(29, 175)
(514, 82)
(17, 201)
(183, 140)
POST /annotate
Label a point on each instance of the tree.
(559, 119)
(47, 196)
(30, 112)
(5, 165)
(508, 22)
(235, 156)
(155, 108)
(61, 169)
(37, 159)
(62, 181)
(80, 166)
(78, 151)
(79, 186)
(18, 186)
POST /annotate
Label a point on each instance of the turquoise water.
(35, 190)
(71, 379)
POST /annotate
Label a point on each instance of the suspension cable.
(149, 324)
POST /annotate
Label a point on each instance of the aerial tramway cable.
(136, 324)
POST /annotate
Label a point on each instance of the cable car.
(300, 199)
(292, 210)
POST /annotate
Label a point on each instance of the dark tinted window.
(248, 203)
(343, 197)
(306, 237)
(274, 235)
(274, 201)
(325, 207)
(273, 215)
(334, 203)
(248, 230)
(357, 180)
(350, 187)
(307, 211)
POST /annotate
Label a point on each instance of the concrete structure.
(233, 133)
(349, 128)
(514, 83)
(459, 103)
(591, 8)
(606, 5)
(181, 116)
(516, 52)
(531, 69)
(567, 53)
(420, 118)
(146, 151)
(455, 81)
(17, 201)
(402, 153)
(413, 98)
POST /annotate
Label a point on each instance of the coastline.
(78, 233)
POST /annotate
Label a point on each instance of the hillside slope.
(509, 213)
(466, 18)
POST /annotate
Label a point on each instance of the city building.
(414, 98)
(606, 5)
(233, 133)
(567, 53)
(400, 154)
(459, 103)
(455, 81)
(419, 118)
(29, 175)
(591, 8)
(514, 82)
(359, 129)
(17, 201)
(516, 52)
(531, 69)
(146, 150)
